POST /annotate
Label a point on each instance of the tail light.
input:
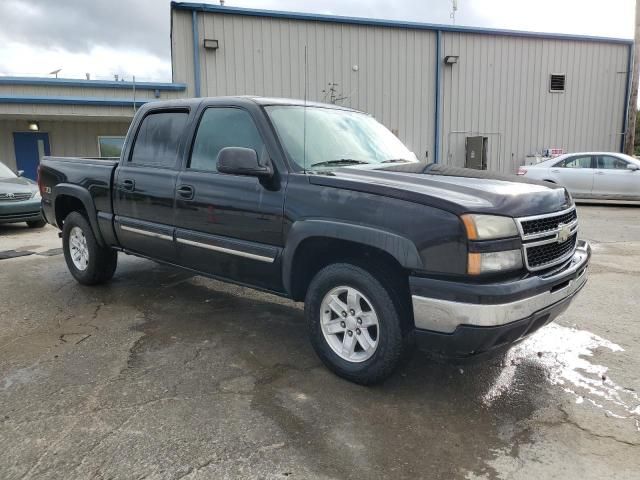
(522, 171)
(39, 180)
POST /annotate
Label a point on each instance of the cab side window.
(575, 162)
(611, 163)
(219, 128)
(158, 139)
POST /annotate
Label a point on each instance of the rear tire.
(88, 262)
(341, 303)
(36, 224)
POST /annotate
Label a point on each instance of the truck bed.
(92, 174)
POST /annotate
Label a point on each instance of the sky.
(131, 37)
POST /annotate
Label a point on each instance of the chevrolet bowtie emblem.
(564, 233)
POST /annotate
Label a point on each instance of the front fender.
(400, 248)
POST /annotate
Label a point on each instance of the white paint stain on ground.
(566, 355)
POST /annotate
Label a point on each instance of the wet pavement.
(161, 374)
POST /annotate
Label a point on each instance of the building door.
(30, 147)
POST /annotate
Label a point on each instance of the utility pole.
(632, 109)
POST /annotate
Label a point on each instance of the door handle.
(598, 172)
(186, 191)
(129, 185)
(555, 170)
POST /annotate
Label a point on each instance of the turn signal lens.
(491, 262)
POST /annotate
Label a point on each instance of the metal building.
(450, 93)
(59, 116)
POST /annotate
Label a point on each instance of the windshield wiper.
(396, 160)
(338, 162)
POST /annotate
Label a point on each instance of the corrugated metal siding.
(102, 93)
(66, 138)
(500, 87)
(265, 56)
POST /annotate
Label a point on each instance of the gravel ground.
(161, 374)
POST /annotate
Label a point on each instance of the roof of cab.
(263, 101)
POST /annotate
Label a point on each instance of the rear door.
(145, 183)
(229, 225)
(614, 180)
(575, 173)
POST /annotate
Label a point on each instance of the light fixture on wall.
(451, 59)
(211, 44)
(34, 126)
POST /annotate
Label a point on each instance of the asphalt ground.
(162, 374)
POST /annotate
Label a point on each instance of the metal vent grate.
(557, 82)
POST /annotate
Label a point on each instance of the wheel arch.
(313, 244)
(70, 198)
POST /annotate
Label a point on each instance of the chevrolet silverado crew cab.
(322, 204)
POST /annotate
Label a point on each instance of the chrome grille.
(15, 197)
(546, 224)
(543, 255)
(549, 239)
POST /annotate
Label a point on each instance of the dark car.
(19, 199)
(323, 204)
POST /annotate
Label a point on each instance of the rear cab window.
(222, 127)
(158, 139)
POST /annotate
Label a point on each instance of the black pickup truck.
(323, 204)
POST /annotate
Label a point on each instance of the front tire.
(88, 262)
(36, 224)
(356, 323)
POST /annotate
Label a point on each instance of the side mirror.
(20, 173)
(241, 161)
(633, 167)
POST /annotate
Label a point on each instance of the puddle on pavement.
(566, 356)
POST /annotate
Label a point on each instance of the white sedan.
(595, 175)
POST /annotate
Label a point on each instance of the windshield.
(5, 172)
(335, 138)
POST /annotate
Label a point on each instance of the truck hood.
(458, 190)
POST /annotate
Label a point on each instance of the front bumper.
(461, 320)
(21, 211)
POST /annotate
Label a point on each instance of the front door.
(575, 173)
(30, 147)
(228, 225)
(144, 186)
(614, 180)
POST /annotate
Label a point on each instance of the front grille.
(549, 253)
(546, 224)
(15, 197)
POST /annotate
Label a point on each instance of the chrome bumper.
(445, 316)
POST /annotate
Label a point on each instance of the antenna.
(454, 9)
(55, 72)
(304, 114)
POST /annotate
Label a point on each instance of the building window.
(556, 83)
(110, 146)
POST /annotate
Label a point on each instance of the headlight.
(489, 262)
(37, 196)
(489, 227)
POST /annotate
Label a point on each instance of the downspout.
(627, 93)
(437, 106)
(196, 52)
